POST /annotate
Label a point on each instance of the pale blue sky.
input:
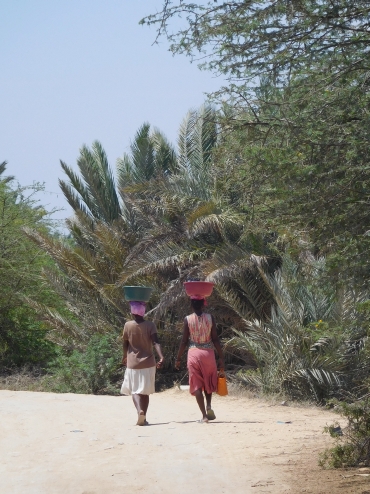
(73, 71)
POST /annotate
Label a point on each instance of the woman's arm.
(217, 344)
(183, 344)
(125, 348)
(157, 346)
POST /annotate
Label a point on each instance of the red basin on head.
(198, 288)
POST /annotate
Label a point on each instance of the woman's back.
(140, 351)
(200, 327)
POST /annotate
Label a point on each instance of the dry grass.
(32, 380)
(239, 390)
(24, 380)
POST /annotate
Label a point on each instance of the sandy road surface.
(84, 444)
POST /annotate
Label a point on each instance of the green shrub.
(352, 446)
(95, 370)
(23, 340)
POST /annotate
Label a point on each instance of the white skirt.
(138, 382)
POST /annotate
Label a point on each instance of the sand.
(85, 444)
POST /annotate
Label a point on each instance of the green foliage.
(4, 180)
(281, 167)
(95, 194)
(314, 343)
(170, 219)
(22, 334)
(352, 446)
(301, 349)
(295, 125)
(302, 172)
(254, 39)
(210, 221)
(151, 155)
(24, 340)
(95, 369)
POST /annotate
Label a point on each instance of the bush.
(22, 335)
(95, 370)
(352, 446)
(23, 340)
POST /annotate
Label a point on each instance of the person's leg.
(145, 381)
(144, 403)
(200, 400)
(209, 371)
(210, 413)
(141, 403)
(136, 400)
(208, 399)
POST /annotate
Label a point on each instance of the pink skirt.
(202, 370)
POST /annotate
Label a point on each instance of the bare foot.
(141, 418)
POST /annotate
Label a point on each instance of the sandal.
(210, 414)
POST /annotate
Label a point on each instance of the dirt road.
(84, 444)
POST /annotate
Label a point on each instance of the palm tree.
(193, 228)
(108, 228)
(297, 350)
(163, 223)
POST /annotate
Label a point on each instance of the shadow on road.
(213, 423)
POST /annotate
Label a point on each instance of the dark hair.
(197, 304)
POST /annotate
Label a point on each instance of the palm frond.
(165, 154)
(139, 165)
(77, 192)
(74, 199)
(163, 260)
(94, 193)
(99, 181)
(4, 180)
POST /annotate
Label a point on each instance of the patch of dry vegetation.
(25, 379)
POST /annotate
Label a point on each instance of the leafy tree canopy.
(295, 126)
(250, 39)
(22, 335)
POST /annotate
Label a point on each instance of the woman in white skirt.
(139, 336)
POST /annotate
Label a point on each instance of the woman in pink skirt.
(200, 335)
